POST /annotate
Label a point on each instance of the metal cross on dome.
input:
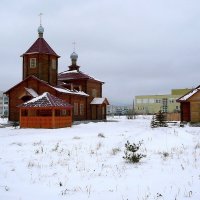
(40, 18)
(74, 43)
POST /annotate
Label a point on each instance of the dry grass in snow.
(85, 162)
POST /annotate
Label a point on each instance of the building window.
(53, 63)
(151, 100)
(81, 109)
(33, 62)
(59, 113)
(75, 108)
(158, 101)
(145, 100)
(94, 92)
(139, 100)
(172, 100)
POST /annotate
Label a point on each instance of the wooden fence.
(173, 117)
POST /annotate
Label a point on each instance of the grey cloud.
(136, 47)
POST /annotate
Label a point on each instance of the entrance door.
(94, 112)
(103, 112)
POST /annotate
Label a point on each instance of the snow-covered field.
(85, 162)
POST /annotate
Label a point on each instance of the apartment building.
(118, 110)
(150, 104)
(3, 104)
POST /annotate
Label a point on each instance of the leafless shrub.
(17, 143)
(197, 146)
(115, 151)
(37, 151)
(99, 145)
(101, 135)
(37, 143)
(31, 164)
(56, 147)
(6, 188)
(92, 151)
(76, 138)
(165, 154)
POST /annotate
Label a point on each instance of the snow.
(46, 100)
(76, 163)
(97, 101)
(68, 72)
(76, 71)
(70, 91)
(37, 98)
(32, 92)
(187, 96)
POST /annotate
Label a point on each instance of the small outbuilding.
(98, 107)
(190, 106)
(45, 111)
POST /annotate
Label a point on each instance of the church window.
(33, 62)
(81, 109)
(53, 63)
(94, 92)
(75, 108)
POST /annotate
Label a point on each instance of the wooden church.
(40, 75)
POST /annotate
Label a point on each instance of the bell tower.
(41, 60)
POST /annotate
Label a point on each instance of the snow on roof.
(64, 90)
(75, 74)
(46, 100)
(188, 95)
(59, 89)
(98, 101)
(32, 92)
(67, 72)
(67, 91)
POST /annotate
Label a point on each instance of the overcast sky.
(137, 47)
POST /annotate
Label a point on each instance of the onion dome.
(74, 56)
(40, 31)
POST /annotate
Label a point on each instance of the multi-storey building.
(118, 110)
(150, 104)
(3, 104)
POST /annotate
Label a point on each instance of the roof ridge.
(50, 98)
